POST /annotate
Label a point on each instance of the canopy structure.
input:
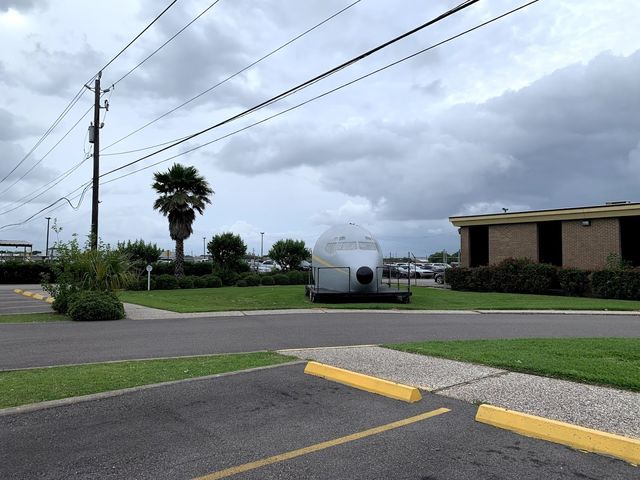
(16, 244)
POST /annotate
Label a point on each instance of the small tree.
(289, 253)
(227, 251)
(139, 251)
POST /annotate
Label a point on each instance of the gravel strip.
(417, 370)
(614, 411)
(600, 408)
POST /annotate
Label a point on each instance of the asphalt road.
(201, 427)
(11, 302)
(28, 345)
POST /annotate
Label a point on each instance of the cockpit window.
(347, 246)
(367, 246)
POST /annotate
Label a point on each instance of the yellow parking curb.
(364, 382)
(50, 299)
(38, 296)
(27, 294)
(560, 432)
(18, 290)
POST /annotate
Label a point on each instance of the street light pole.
(204, 248)
(261, 244)
(46, 251)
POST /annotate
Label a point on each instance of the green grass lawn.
(38, 385)
(32, 318)
(279, 297)
(603, 361)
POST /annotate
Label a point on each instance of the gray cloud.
(20, 5)
(13, 127)
(563, 141)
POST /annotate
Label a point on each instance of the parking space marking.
(320, 446)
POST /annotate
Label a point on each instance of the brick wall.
(518, 240)
(464, 246)
(588, 247)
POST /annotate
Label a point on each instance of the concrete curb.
(368, 383)
(573, 436)
(33, 407)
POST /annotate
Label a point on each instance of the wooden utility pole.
(96, 164)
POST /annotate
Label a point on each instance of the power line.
(165, 43)
(305, 84)
(419, 52)
(77, 97)
(328, 92)
(272, 52)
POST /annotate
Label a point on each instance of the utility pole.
(46, 251)
(261, 244)
(94, 137)
(96, 164)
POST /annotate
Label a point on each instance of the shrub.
(241, 283)
(19, 271)
(199, 282)
(185, 282)
(63, 298)
(252, 280)
(621, 284)
(166, 282)
(268, 280)
(574, 281)
(96, 305)
(281, 279)
(212, 281)
(228, 278)
(297, 277)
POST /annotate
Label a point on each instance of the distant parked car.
(268, 266)
(439, 278)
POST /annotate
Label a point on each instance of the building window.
(478, 246)
(550, 243)
(630, 240)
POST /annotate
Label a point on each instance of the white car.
(268, 266)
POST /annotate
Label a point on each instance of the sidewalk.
(600, 408)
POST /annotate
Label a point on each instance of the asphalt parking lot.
(234, 427)
(11, 302)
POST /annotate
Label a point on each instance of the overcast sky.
(538, 110)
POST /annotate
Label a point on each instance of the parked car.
(267, 266)
(439, 278)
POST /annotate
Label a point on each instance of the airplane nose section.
(364, 275)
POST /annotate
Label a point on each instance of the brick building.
(581, 237)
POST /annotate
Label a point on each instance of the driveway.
(29, 345)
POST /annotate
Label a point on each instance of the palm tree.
(182, 191)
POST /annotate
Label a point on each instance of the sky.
(536, 110)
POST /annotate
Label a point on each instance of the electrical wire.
(165, 43)
(328, 92)
(230, 77)
(451, 38)
(305, 84)
(77, 97)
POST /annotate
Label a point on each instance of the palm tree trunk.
(179, 270)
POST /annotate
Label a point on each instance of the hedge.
(18, 271)
(620, 284)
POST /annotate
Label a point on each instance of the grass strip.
(612, 362)
(21, 387)
(292, 296)
(32, 318)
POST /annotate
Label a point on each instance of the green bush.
(297, 277)
(621, 284)
(267, 280)
(19, 271)
(64, 297)
(212, 281)
(252, 280)
(281, 279)
(166, 282)
(241, 283)
(574, 281)
(228, 277)
(199, 282)
(185, 282)
(95, 305)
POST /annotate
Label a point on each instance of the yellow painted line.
(364, 382)
(38, 296)
(320, 446)
(50, 299)
(27, 294)
(560, 432)
(18, 290)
